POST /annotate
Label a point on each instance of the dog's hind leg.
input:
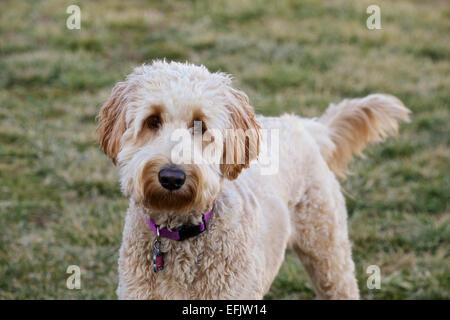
(320, 239)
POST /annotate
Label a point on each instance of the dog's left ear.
(112, 123)
(241, 143)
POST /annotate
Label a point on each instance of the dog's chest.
(194, 269)
(188, 266)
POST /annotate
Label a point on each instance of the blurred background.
(60, 202)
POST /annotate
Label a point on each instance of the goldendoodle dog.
(207, 218)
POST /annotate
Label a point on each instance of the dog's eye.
(154, 122)
(199, 126)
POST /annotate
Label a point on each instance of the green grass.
(60, 202)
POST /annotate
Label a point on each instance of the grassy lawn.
(60, 202)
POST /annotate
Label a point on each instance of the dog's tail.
(353, 123)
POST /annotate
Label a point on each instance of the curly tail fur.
(353, 123)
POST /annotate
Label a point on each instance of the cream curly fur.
(256, 216)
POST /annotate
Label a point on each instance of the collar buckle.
(192, 230)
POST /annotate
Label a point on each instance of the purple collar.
(183, 232)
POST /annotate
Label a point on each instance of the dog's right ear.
(112, 125)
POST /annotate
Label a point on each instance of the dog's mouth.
(181, 200)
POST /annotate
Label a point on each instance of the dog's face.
(141, 124)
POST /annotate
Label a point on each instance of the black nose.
(171, 178)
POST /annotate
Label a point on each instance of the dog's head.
(176, 131)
